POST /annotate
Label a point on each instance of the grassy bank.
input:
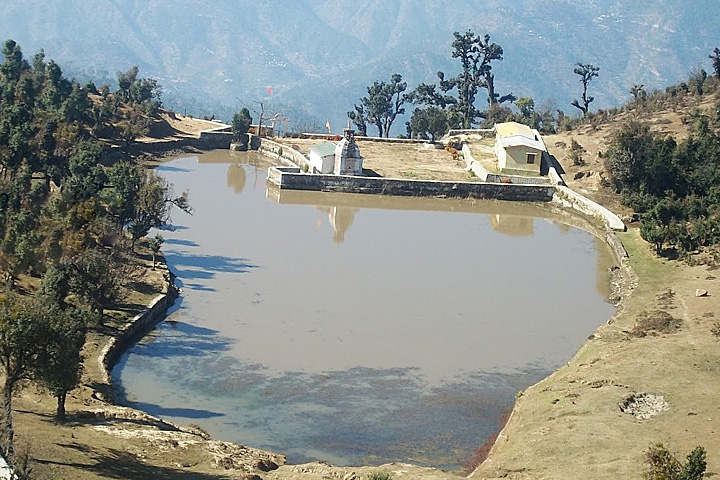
(103, 440)
(660, 342)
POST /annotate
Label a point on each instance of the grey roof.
(521, 140)
(324, 149)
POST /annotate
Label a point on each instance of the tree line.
(673, 185)
(451, 102)
(73, 205)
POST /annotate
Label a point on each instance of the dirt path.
(172, 126)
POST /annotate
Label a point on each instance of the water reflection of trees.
(236, 177)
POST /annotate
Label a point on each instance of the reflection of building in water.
(341, 218)
(513, 225)
(236, 177)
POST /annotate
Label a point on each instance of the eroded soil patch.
(655, 322)
(643, 405)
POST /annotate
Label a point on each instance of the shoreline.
(623, 281)
(565, 214)
(138, 327)
(490, 468)
(232, 456)
(576, 409)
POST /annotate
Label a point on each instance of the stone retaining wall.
(410, 141)
(494, 186)
(481, 132)
(215, 139)
(336, 137)
(135, 329)
(218, 137)
(292, 178)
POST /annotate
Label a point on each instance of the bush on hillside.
(663, 465)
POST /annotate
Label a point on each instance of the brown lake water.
(358, 329)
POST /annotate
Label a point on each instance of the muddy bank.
(570, 424)
(137, 327)
(102, 440)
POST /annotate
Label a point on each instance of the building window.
(531, 157)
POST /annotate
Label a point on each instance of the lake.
(358, 329)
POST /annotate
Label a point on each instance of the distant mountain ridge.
(318, 57)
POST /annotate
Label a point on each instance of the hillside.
(648, 375)
(318, 57)
(590, 177)
(568, 425)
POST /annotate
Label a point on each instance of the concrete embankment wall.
(480, 132)
(132, 331)
(218, 136)
(571, 199)
(215, 139)
(500, 187)
(206, 141)
(334, 137)
(292, 178)
(291, 157)
(564, 196)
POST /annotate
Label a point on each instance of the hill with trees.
(317, 57)
(655, 159)
(73, 206)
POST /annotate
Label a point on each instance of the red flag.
(269, 90)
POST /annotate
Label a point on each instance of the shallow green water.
(358, 329)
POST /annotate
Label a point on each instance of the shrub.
(663, 465)
(576, 151)
(715, 329)
(380, 475)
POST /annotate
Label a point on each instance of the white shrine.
(347, 155)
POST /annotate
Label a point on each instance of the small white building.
(347, 155)
(322, 157)
(519, 149)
